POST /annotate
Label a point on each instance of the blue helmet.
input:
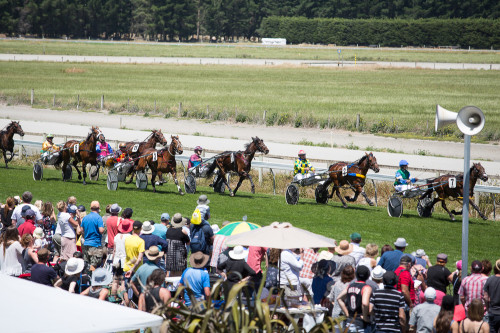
(403, 162)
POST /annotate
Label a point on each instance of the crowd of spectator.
(110, 256)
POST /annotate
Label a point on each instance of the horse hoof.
(453, 218)
(80, 177)
(371, 204)
(231, 194)
(84, 183)
(253, 191)
(181, 193)
(345, 206)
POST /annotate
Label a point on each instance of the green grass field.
(435, 235)
(395, 100)
(243, 51)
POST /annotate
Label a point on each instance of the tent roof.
(31, 307)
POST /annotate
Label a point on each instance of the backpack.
(198, 241)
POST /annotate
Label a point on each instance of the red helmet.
(198, 148)
(301, 152)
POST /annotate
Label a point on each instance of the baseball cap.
(72, 209)
(362, 272)
(419, 253)
(355, 236)
(442, 256)
(24, 210)
(165, 217)
(389, 278)
(405, 259)
(30, 212)
(430, 294)
(476, 266)
(459, 265)
(137, 225)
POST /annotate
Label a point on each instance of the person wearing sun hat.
(112, 223)
(390, 259)
(376, 275)
(139, 280)
(196, 278)
(39, 237)
(101, 278)
(177, 239)
(72, 270)
(235, 268)
(119, 254)
(200, 225)
(342, 258)
(150, 239)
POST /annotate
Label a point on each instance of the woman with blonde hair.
(368, 260)
(11, 252)
(29, 254)
(474, 323)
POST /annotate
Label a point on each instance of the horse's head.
(97, 134)
(158, 137)
(260, 145)
(478, 170)
(176, 145)
(372, 162)
(16, 128)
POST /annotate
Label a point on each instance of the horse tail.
(430, 188)
(211, 168)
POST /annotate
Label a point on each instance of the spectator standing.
(93, 228)
(357, 307)
(369, 257)
(112, 223)
(201, 234)
(70, 280)
(29, 223)
(140, 278)
(358, 252)
(387, 305)
(219, 246)
(203, 207)
(272, 273)
(161, 228)
(309, 257)
(346, 277)
(492, 298)
(376, 275)
(6, 213)
(177, 241)
(322, 283)
(487, 267)
(134, 250)
(119, 254)
(154, 294)
(236, 269)
(444, 322)
(67, 225)
(474, 323)
(423, 315)
(11, 252)
(473, 285)
(40, 272)
(149, 238)
(456, 281)
(196, 278)
(291, 265)
(422, 259)
(390, 259)
(343, 258)
(27, 197)
(405, 282)
(48, 222)
(438, 276)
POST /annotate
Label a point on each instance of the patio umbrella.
(280, 236)
(237, 228)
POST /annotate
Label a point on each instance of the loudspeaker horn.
(470, 120)
(444, 117)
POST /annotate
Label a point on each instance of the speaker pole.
(465, 208)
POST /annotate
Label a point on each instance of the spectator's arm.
(134, 287)
(406, 293)
(137, 262)
(486, 299)
(402, 319)
(73, 222)
(462, 299)
(207, 292)
(163, 243)
(72, 286)
(341, 299)
(142, 303)
(450, 277)
(165, 295)
(101, 230)
(33, 256)
(103, 295)
(85, 292)
(365, 302)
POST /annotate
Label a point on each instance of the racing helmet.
(302, 152)
(50, 136)
(198, 148)
(122, 145)
(403, 162)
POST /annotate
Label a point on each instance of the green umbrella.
(237, 228)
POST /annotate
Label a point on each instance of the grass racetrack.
(435, 235)
(237, 50)
(388, 100)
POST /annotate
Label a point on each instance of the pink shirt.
(255, 256)
(472, 287)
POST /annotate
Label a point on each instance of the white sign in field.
(274, 41)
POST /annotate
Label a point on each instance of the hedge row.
(476, 33)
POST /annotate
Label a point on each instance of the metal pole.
(465, 209)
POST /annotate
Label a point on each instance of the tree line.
(180, 19)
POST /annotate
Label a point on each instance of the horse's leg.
(337, 191)
(251, 182)
(443, 204)
(174, 176)
(239, 184)
(5, 158)
(356, 191)
(477, 209)
(84, 170)
(11, 156)
(153, 176)
(131, 173)
(222, 176)
(75, 165)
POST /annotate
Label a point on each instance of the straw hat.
(147, 228)
(198, 259)
(237, 253)
(38, 233)
(178, 221)
(153, 253)
(101, 277)
(74, 266)
(344, 248)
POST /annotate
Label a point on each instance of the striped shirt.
(386, 304)
(472, 287)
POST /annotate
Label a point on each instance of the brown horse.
(162, 161)
(238, 162)
(84, 151)
(457, 192)
(353, 175)
(136, 149)
(7, 140)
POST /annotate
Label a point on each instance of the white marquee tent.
(31, 307)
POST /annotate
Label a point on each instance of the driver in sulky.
(302, 167)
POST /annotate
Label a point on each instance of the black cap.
(137, 225)
(389, 278)
(25, 209)
(476, 266)
(81, 208)
(362, 273)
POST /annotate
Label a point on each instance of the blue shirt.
(197, 279)
(151, 239)
(319, 287)
(91, 224)
(390, 260)
(160, 231)
(143, 273)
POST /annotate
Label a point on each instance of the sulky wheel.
(219, 187)
(190, 184)
(292, 194)
(141, 180)
(424, 207)
(112, 180)
(395, 206)
(37, 170)
(67, 173)
(321, 194)
(94, 173)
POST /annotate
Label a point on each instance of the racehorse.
(7, 140)
(238, 162)
(136, 149)
(162, 161)
(353, 175)
(85, 153)
(445, 191)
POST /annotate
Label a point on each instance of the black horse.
(7, 140)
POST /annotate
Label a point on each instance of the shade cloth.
(32, 307)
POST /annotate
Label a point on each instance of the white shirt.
(120, 253)
(10, 263)
(291, 265)
(358, 252)
(16, 214)
(67, 229)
